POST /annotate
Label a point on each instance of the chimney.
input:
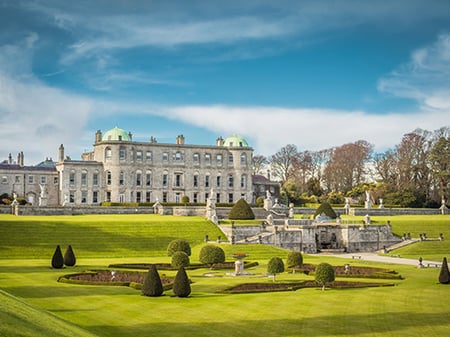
(219, 141)
(180, 140)
(20, 159)
(61, 152)
(10, 159)
(130, 135)
(98, 137)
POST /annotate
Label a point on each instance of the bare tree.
(281, 162)
(258, 163)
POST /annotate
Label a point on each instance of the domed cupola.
(235, 141)
(116, 134)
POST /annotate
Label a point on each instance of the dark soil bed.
(269, 287)
(354, 271)
(111, 277)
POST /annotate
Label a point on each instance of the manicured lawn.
(416, 306)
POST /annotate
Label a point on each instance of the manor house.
(119, 169)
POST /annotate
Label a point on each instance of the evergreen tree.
(275, 266)
(69, 257)
(294, 259)
(324, 273)
(152, 285)
(57, 259)
(241, 211)
(181, 286)
(325, 208)
(210, 254)
(178, 245)
(180, 259)
(444, 276)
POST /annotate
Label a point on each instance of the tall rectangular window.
(230, 198)
(178, 180)
(139, 155)
(121, 178)
(43, 180)
(108, 196)
(164, 181)
(196, 180)
(83, 197)
(206, 181)
(72, 178)
(30, 179)
(95, 197)
(148, 155)
(165, 156)
(148, 196)
(83, 178)
(195, 200)
(148, 179)
(138, 179)
(95, 179)
(164, 196)
(138, 196)
(207, 159)
(218, 181)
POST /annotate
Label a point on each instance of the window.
(178, 181)
(196, 180)
(95, 179)
(219, 160)
(230, 158)
(121, 179)
(178, 156)
(195, 199)
(72, 197)
(206, 196)
(165, 180)
(165, 156)
(230, 180)
(218, 197)
(83, 178)
(122, 153)
(178, 197)
(83, 197)
(108, 178)
(148, 155)
(148, 179)
(43, 180)
(243, 159)
(218, 181)
(30, 179)
(138, 196)
(207, 181)
(95, 197)
(55, 180)
(108, 196)
(138, 178)
(72, 178)
(17, 180)
(243, 181)
(148, 196)
(4, 180)
(139, 155)
(230, 198)
(121, 197)
(196, 158)
(164, 196)
(108, 153)
(207, 159)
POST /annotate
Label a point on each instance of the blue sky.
(315, 74)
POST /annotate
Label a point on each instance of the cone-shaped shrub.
(178, 245)
(69, 257)
(180, 259)
(181, 285)
(241, 211)
(294, 259)
(57, 259)
(324, 273)
(211, 254)
(325, 208)
(152, 285)
(444, 276)
(275, 266)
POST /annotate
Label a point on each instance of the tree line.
(415, 173)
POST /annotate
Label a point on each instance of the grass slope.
(20, 319)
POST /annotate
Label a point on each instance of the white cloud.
(425, 78)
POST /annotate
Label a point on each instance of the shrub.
(152, 285)
(260, 201)
(181, 285)
(178, 246)
(325, 208)
(241, 211)
(210, 254)
(184, 199)
(180, 259)
(294, 259)
(69, 257)
(444, 276)
(324, 273)
(275, 266)
(57, 259)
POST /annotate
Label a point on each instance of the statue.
(347, 205)
(43, 190)
(443, 207)
(268, 201)
(368, 203)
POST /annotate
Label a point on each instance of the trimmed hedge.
(180, 259)
(57, 259)
(69, 257)
(181, 285)
(325, 208)
(152, 285)
(241, 211)
(178, 245)
(211, 254)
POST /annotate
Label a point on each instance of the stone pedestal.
(42, 201)
(238, 267)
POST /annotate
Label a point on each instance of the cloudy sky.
(311, 73)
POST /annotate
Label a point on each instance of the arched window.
(243, 181)
(121, 178)
(138, 178)
(230, 180)
(243, 158)
(122, 153)
(108, 177)
(108, 152)
(148, 178)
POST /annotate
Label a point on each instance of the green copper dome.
(235, 141)
(116, 134)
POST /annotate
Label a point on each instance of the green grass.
(416, 306)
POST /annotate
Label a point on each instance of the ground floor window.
(230, 198)
(218, 197)
(83, 197)
(148, 196)
(178, 197)
(164, 196)
(108, 196)
(95, 197)
(195, 199)
(138, 196)
(121, 197)
(72, 197)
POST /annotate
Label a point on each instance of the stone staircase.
(401, 244)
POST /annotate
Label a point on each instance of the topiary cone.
(444, 276)
(69, 257)
(57, 259)
(181, 286)
(152, 285)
